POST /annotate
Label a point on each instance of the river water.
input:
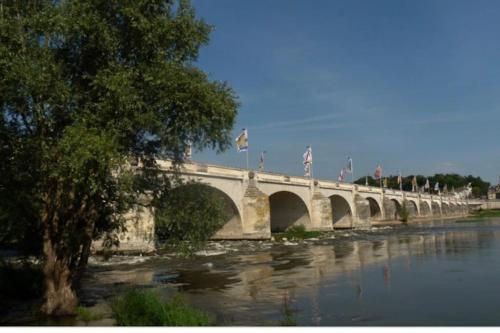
(432, 273)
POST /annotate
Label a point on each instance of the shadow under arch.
(287, 209)
(425, 209)
(397, 208)
(375, 211)
(445, 209)
(341, 212)
(412, 207)
(436, 210)
(232, 228)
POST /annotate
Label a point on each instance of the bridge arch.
(445, 209)
(436, 209)
(453, 209)
(233, 224)
(287, 209)
(395, 207)
(341, 212)
(375, 211)
(411, 205)
(425, 209)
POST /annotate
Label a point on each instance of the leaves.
(84, 86)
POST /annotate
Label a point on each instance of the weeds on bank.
(86, 315)
(144, 308)
(297, 232)
(486, 213)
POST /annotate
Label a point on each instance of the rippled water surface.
(439, 273)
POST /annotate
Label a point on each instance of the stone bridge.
(261, 203)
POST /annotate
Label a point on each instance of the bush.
(142, 308)
(87, 315)
(189, 215)
(298, 232)
(403, 213)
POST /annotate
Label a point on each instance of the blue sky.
(412, 85)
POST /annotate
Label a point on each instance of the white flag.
(349, 165)
(242, 141)
(308, 157)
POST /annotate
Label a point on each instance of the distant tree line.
(452, 180)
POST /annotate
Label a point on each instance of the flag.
(342, 175)
(436, 187)
(242, 141)
(385, 182)
(307, 170)
(308, 157)
(414, 184)
(349, 165)
(427, 185)
(261, 161)
(378, 172)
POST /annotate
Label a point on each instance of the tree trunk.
(59, 297)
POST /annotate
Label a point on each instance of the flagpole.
(311, 164)
(352, 172)
(247, 160)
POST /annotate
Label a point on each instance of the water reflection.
(345, 281)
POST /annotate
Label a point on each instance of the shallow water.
(434, 273)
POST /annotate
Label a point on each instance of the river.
(432, 273)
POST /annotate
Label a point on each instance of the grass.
(486, 213)
(144, 308)
(87, 315)
(297, 232)
(289, 313)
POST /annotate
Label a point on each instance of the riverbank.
(486, 213)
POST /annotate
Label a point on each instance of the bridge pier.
(321, 211)
(363, 213)
(256, 212)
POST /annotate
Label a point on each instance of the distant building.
(494, 192)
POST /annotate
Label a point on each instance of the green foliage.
(403, 212)
(142, 308)
(85, 85)
(479, 187)
(87, 315)
(189, 215)
(486, 213)
(297, 232)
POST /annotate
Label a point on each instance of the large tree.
(84, 86)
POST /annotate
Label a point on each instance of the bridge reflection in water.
(361, 278)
